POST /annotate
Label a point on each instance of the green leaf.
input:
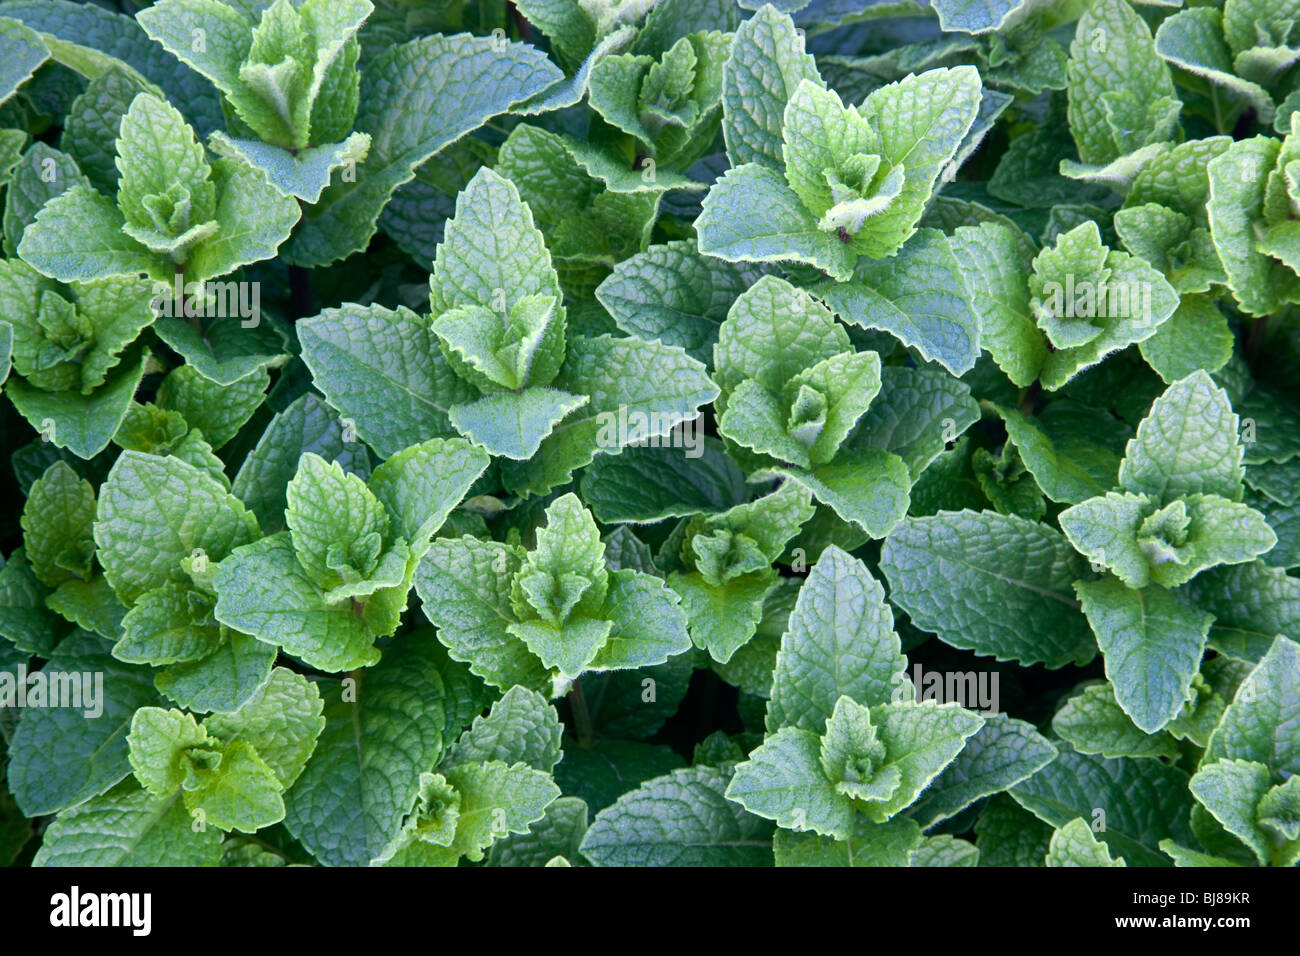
(497, 799)
(1074, 845)
(559, 832)
(567, 648)
(91, 605)
(307, 425)
(1072, 451)
(281, 722)
(1251, 603)
(159, 741)
(128, 827)
(383, 370)
(57, 521)
(514, 424)
(722, 618)
(165, 192)
(521, 727)
(1187, 444)
(758, 420)
(1139, 802)
(975, 16)
(1231, 790)
(1278, 813)
(682, 819)
(380, 734)
(419, 486)
(41, 174)
(1003, 752)
(219, 411)
(995, 584)
(944, 850)
(1256, 724)
(1006, 835)
(916, 414)
(840, 641)
(1093, 722)
(25, 620)
(58, 757)
(1236, 210)
(83, 424)
(470, 79)
(783, 781)
(564, 576)
(639, 391)
(772, 333)
(1193, 40)
(333, 520)
(1152, 642)
(588, 225)
(644, 484)
(243, 794)
(26, 52)
(226, 352)
(766, 65)
(223, 680)
(568, 25)
(865, 486)
(870, 844)
(263, 590)
(996, 266)
(918, 296)
(492, 254)
(920, 741)
(464, 587)
(752, 215)
(921, 120)
(168, 624)
(649, 626)
(832, 164)
(1121, 94)
(1105, 530)
(303, 174)
(672, 294)
(200, 518)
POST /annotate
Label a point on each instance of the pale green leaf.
(1152, 642)
(995, 584)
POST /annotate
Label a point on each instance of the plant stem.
(193, 320)
(1029, 396)
(581, 717)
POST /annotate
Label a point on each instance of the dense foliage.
(673, 432)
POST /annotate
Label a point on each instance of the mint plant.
(339, 577)
(174, 212)
(70, 349)
(829, 182)
(649, 433)
(288, 76)
(540, 618)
